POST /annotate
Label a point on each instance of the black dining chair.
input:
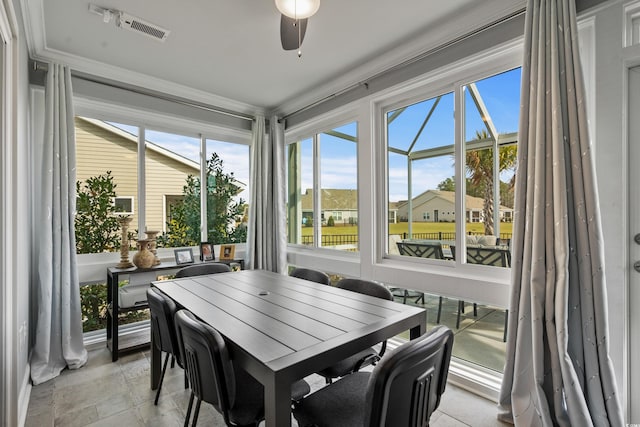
(366, 357)
(202, 269)
(162, 310)
(215, 379)
(403, 390)
(311, 275)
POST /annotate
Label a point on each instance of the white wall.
(611, 167)
(15, 231)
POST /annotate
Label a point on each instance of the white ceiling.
(228, 53)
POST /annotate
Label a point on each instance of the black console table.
(113, 301)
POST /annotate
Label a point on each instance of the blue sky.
(500, 93)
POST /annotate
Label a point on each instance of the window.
(421, 169)
(322, 203)
(172, 167)
(107, 175)
(123, 205)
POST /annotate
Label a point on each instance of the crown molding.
(33, 15)
(436, 36)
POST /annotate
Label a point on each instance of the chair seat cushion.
(341, 404)
(346, 366)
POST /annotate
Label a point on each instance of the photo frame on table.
(206, 251)
(183, 256)
(227, 252)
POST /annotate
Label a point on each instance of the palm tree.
(479, 165)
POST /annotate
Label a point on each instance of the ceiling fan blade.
(290, 36)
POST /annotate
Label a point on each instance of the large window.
(322, 189)
(421, 171)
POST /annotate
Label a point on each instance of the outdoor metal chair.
(431, 250)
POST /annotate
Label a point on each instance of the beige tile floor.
(103, 393)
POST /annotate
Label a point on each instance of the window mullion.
(317, 206)
(460, 181)
(204, 190)
(142, 197)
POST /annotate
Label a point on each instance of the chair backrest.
(366, 287)
(421, 249)
(163, 310)
(207, 362)
(202, 269)
(405, 387)
(311, 275)
(496, 257)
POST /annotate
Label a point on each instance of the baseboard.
(25, 397)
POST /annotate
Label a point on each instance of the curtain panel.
(266, 236)
(558, 370)
(56, 291)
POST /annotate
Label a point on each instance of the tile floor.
(103, 393)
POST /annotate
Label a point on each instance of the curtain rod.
(409, 61)
(39, 65)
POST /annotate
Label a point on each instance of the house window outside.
(124, 205)
(322, 184)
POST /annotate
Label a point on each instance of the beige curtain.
(266, 236)
(56, 290)
(558, 370)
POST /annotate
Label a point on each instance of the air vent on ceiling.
(140, 25)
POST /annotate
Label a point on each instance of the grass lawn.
(402, 227)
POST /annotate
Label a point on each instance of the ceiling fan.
(293, 22)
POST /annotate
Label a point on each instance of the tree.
(96, 227)
(223, 213)
(479, 165)
(449, 184)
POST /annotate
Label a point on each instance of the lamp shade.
(298, 9)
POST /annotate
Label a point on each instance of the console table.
(113, 302)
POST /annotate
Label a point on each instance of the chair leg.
(439, 310)
(186, 420)
(506, 324)
(186, 380)
(164, 369)
(475, 310)
(196, 412)
(173, 361)
(404, 298)
(460, 309)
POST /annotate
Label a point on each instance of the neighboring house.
(439, 206)
(342, 205)
(101, 147)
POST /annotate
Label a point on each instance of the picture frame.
(227, 252)
(206, 251)
(183, 256)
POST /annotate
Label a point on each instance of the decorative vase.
(151, 236)
(144, 258)
(124, 242)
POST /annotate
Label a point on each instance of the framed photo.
(183, 256)
(206, 252)
(227, 252)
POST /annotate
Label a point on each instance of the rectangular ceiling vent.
(141, 26)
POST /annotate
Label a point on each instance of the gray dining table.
(281, 329)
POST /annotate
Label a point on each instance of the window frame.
(484, 284)
(331, 260)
